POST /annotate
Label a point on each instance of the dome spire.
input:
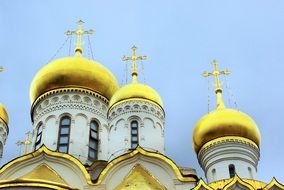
(218, 85)
(134, 58)
(79, 33)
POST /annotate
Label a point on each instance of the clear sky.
(181, 38)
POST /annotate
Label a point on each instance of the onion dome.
(223, 122)
(135, 90)
(4, 115)
(74, 72)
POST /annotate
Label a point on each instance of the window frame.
(38, 134)
(134, 143)
(232, 170)
(94, 139)
(61, 126)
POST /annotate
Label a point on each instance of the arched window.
(93, 140)
(214, 173)
(134, 134)
(250, 172)
(38, 136)
(232, 170)
(64, 134)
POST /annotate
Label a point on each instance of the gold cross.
(134, 58)
(25, 143)
(79, 33)
(216, 73)
(218, 85)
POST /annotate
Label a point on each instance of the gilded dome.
(4, 115)
(224, 122)
(74, 72)
(136, 90)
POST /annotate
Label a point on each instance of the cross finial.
(218, 85)
(134, 58)
(79, 33)
(26, 143)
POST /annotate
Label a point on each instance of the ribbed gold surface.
(4, 115)
(134, 91)
(77, 72)
(222, 123)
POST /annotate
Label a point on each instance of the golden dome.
(74, 72)
(4, 115)
(136, 91)
(224, 122)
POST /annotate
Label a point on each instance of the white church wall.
(150, 118)
(66, 169)
(216, 158)
(156, 168)
(3, 137)
(50, 130)
(82, 108)
(118, 139)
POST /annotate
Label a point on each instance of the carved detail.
(136, 106)
(63, 101)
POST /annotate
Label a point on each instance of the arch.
(44, 153)
(48, 118)
(139, 150)
(81, 114)
(119, 121)
(95, 119)
(202, 185)
(274, 184)
(64, 134)
(160, 125)
(237, 182)
(134, 117)
(65, 114)
(149, 119)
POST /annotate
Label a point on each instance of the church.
(90, 133)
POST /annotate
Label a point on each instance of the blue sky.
(180, 38)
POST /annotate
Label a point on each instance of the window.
(64, 134)
(38, 136)
(134, 134)
(250, 172)
(93, 142)
(214, 173)
(232, 170)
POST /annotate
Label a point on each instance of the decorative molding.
(63, 101)
(135, 106)
(228, 148)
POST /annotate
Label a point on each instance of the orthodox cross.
(134, 58)
(26, 143)
(79, 33)
(216, 73)
(218, 85)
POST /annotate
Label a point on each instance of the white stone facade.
(82, 108)
(215, 158)
(150, 118)
(3, 137)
